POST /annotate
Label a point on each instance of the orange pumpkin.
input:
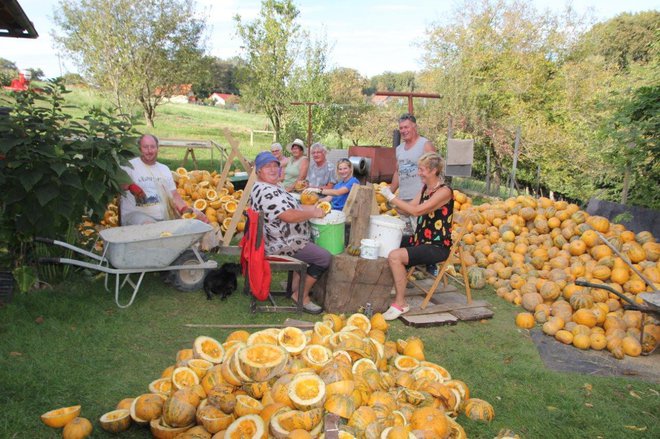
(525, 320)
(430, 418)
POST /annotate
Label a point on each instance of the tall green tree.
(217, 75)
(349, 105)
(495, 65)
(309, 83)
(271, 45)
(139, 51)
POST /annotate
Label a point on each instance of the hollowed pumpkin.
(307, 391)
(208, 349)
(58, 418)
(261, 362)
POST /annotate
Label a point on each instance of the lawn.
(186, 121)
(72, 345)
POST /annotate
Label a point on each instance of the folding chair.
(255, 224)
(455, 254)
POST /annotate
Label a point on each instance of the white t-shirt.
(157, 183)
(409, 182)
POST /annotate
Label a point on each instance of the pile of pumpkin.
(533, 250)
(281, 383)
(461, 201)
(199, 189)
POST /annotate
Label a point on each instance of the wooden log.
(352, 282)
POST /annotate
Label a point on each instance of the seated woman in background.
(276, 149)
(431, 242)
(339, 192)
(296, 170)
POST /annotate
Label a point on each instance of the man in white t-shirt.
(146, 200)
(405, 177)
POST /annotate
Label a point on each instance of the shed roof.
(14, 22)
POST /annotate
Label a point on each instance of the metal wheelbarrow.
(163, 246)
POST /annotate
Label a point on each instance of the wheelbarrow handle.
(49, 260)
(44, 240)
(583, 283)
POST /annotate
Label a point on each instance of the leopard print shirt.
(282, 238)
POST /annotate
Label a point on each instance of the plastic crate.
(6, 286)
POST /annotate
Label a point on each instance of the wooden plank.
(442, 289)
(469, 314)
(433, 309)
(447, 298)
(288, 322)
(425, 321)
(238, 214)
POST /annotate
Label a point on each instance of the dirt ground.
(560, 357)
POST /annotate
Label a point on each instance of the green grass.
(89, 352)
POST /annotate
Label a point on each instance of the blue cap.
(263, 158)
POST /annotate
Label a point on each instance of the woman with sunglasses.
(276, 149)
(339, 192)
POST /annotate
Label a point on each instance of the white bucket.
(387, 230)
(369, 248)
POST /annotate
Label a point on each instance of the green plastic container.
(328, 232)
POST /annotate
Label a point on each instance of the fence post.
(515, 161)
(488, 171)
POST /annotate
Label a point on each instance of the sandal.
(394, 312)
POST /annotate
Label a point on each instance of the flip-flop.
(394, 312)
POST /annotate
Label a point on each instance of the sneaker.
(432, 269)
(312, 308)
(394, 312)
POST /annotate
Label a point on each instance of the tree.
(309, 83)
(217, 75)
(139, 51)
(36, 73)
(349, 105)
(623, 40)
(496, 66)
(270, 48)
(390, 81)
(8, 71)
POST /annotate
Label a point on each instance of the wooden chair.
(276, 264)
(455, 255)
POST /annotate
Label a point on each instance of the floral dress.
(434, 227)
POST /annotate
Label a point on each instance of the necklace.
(430, 191)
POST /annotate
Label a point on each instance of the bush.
(54, 169)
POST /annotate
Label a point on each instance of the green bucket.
(328, 232)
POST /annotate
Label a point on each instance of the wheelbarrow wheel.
(187, 280)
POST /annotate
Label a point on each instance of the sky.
(371, 36)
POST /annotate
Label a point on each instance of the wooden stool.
(455, 253)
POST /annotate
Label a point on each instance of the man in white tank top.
(412, 147)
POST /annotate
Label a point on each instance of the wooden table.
(190, 147)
